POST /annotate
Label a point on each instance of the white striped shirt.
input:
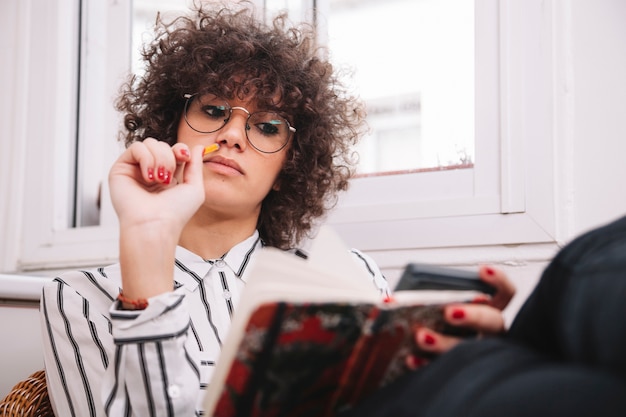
(154, 362)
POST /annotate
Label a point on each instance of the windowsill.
(20, 288)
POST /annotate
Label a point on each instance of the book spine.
(245, 405)
(352, 378)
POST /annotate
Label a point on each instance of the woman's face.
(237, 177)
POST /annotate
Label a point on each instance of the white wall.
(599, 71)
(20, 350)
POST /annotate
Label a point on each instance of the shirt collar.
(190, 268)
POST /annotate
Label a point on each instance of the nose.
(233, 134)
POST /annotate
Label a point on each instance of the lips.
(225, 162)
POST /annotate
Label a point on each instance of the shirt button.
(226, 295)
(220, 263)
(173, 391)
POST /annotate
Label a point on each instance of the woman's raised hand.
(155, 190)
(158, 184)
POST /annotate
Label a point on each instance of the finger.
(483, 318)
(505, 290)
(137, 156)
(414, 362)
(182, 155)
(164, 164)
(435, 343)
(193, 173)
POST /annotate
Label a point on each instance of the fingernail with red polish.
(388, 299)
(150, 174)
(458, 314)
(168, 177)
(490, 271)
(429, 339)
(161, 173)
(414, 362)
(184, 152)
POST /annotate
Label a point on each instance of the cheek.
(188, 136)
(180, 132)
(272, 171)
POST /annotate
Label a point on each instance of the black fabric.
(563, 356)
(577, 312)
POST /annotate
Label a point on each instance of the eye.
(215, 111)
(271, 127)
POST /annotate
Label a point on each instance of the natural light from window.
(411, 61)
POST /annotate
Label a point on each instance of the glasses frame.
(190, 97)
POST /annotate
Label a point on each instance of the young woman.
(141, 337)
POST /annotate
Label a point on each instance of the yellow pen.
(209, 149)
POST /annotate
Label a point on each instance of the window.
(503, 194)
(507, 196)
(414, 67)
(76, 61)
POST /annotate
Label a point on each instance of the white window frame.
(507, 198)
(48, 74)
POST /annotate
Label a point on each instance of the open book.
(313, 337)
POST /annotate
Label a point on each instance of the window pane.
(412, 61)
(413, 64)
(144, 17)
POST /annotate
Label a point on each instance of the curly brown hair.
(229, 52)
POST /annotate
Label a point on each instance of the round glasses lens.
(207, 113)
(267, 131)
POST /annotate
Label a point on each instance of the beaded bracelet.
(139, 304)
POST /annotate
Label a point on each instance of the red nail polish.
(481, 299)
(414, 362)
(150, 174)
(458, 314)
(168, 177)
(161, 173)
(184, 152)
(429, 339)
(490, 271)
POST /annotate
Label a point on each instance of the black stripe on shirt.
(146, 378)
(203, 297)
(192, 363)
(168, 400)
(229, 299)
(197, 337)
(109, 401)
(56, 356)
(246, 258)
(96, 284)
(93, 329)
(78, 357)
(101, 272)
(369, 268)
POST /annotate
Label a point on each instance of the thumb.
(192, 173)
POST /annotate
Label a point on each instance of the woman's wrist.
(147, 262)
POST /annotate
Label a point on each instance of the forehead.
(248, 90)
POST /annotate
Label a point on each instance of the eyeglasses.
(266, 131)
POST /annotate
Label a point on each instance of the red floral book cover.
(316, 359)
